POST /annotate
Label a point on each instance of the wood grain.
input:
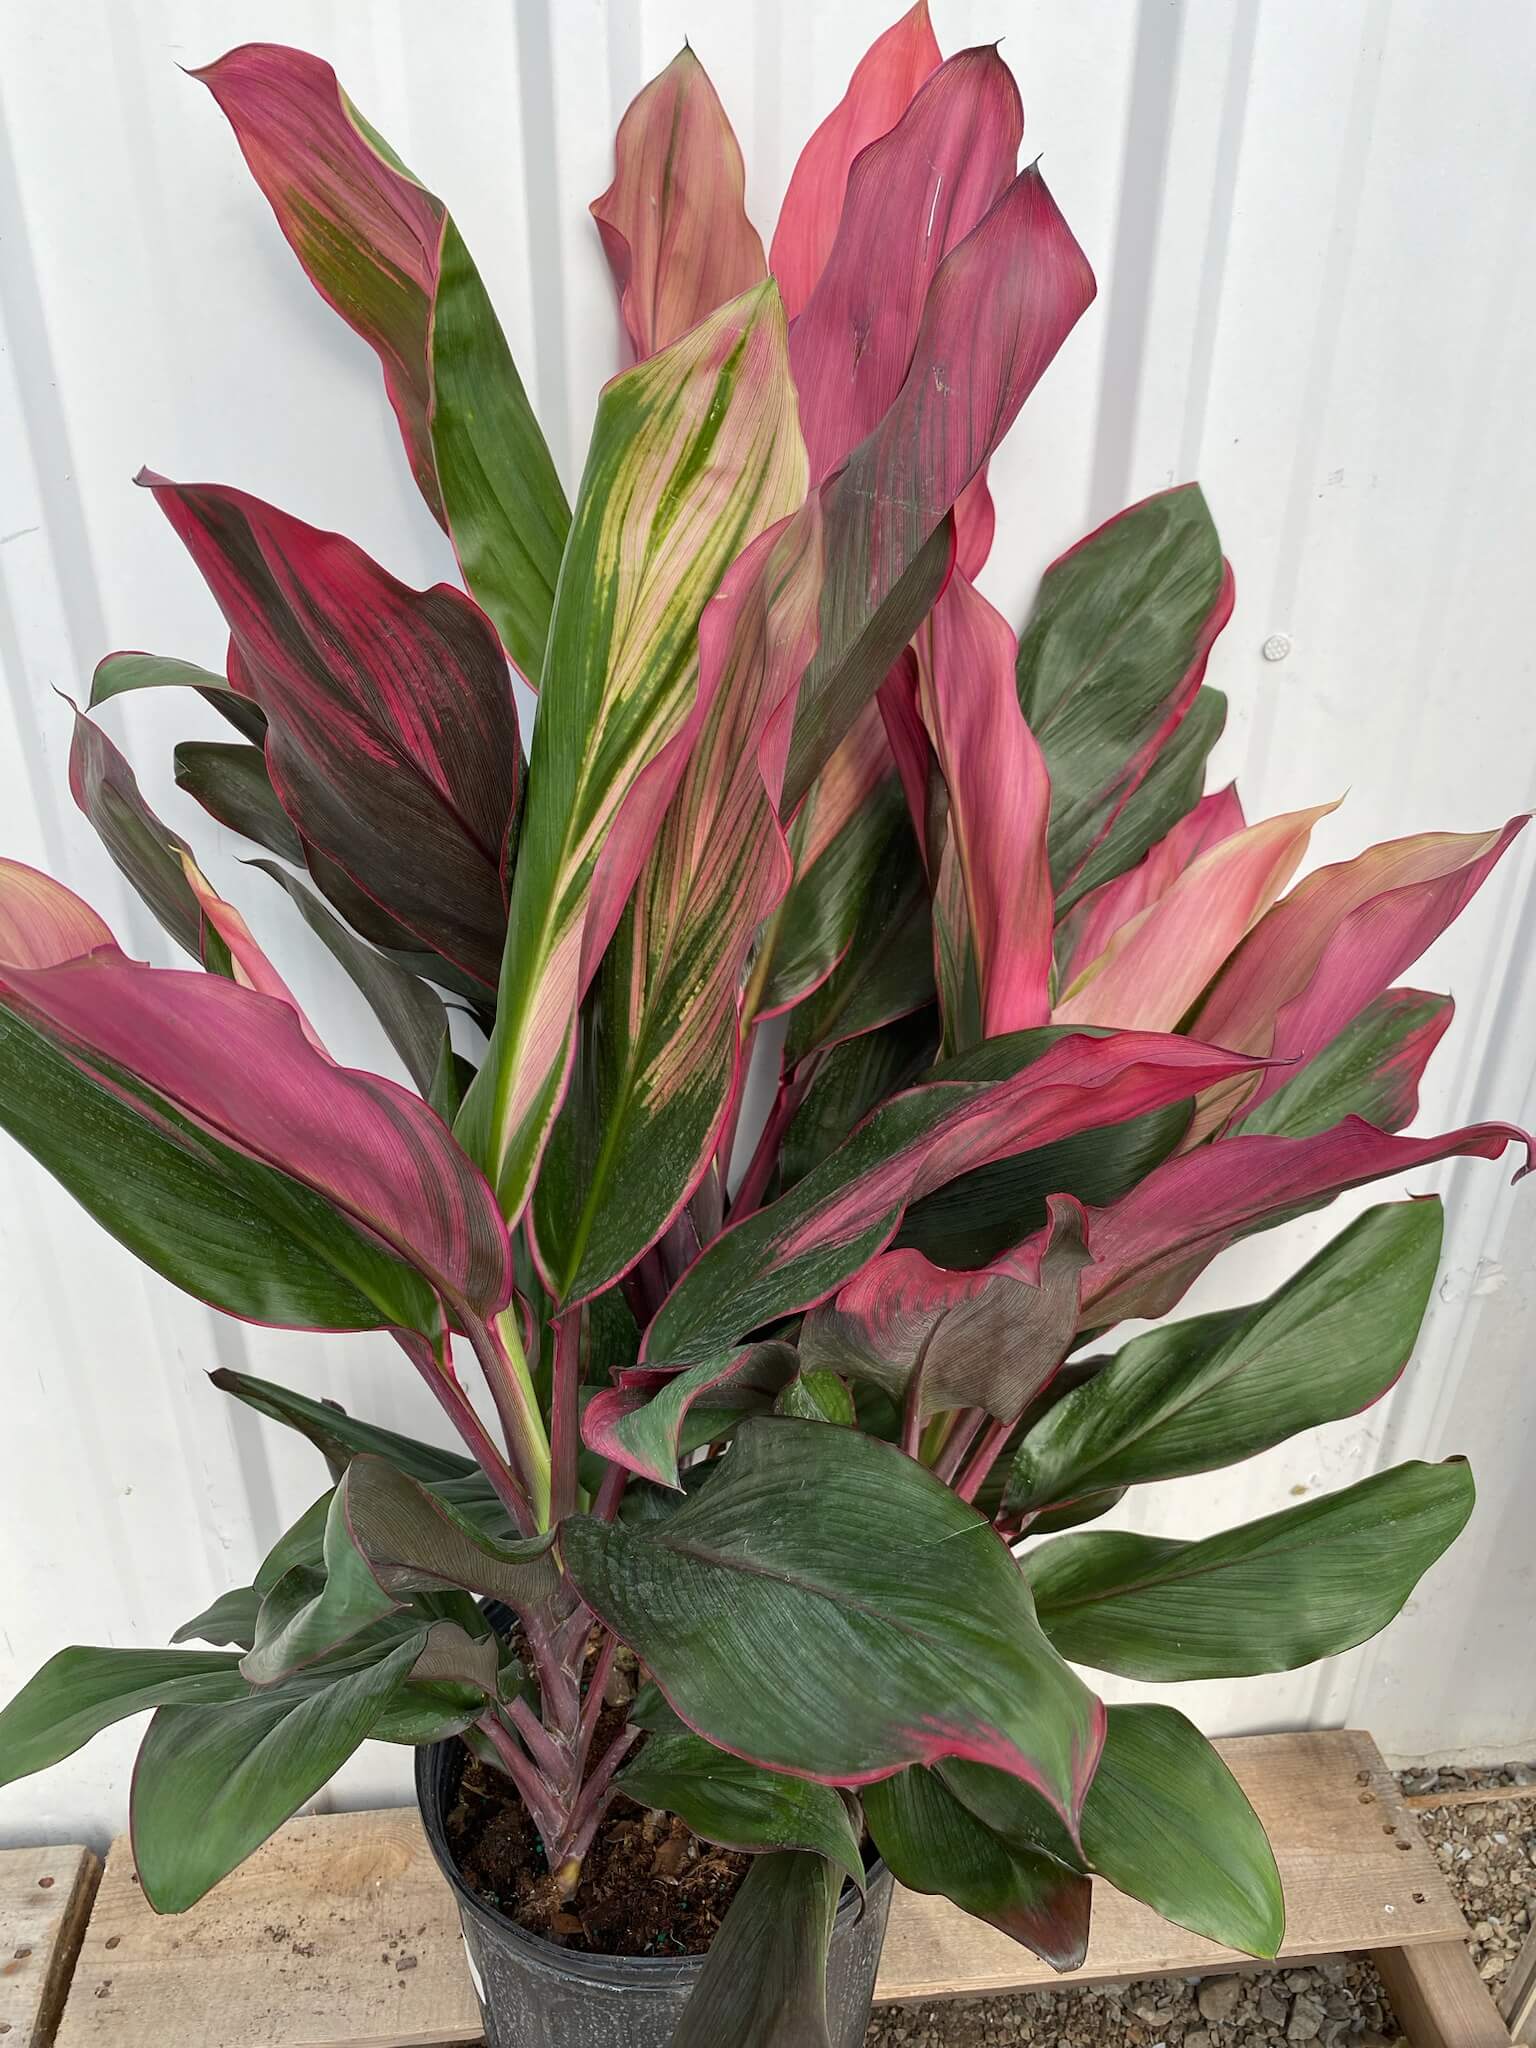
(1439, 1998)
(45, 1895)
(340, 1933)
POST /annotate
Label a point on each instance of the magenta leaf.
(673, 222)
(1090, 927)
(911, 197)
(392, 738)
(1007, 1097)
(639, 1423)
(883, 82)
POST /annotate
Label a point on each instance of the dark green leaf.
(1371, 1069)
(414, 1020)
(144, 851)
(764, 1981)
(231, 783)
(933, 1843)
(848, 1082)
(116, 673)
(885, 968)
(1308, 1582)
(1167, 1823)
(781, 1631)
(231, 1619)
(727, 1800)
(81, 1691)
(213, 1782)
(339, 1436)
(817, 1397)
(1191, 1396)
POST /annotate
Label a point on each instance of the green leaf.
(505, 507)
(80, 1691)
(1116, 644)
(301, 1543)
(1173, 786)
(231, 1619)
(732, 1802)
(414, 1020)
(781, 1631)
(848, 1083)
(1195, 1395)
(117, 673)
(1370, 1069)
(817, 1397)
(387, 1538)
(1167, 1823)
(1308, 1582)
(231, 783)
(339, 1436)
(640, 1423)
(212, 1783)
(144, 851)
(764, 1980)
(936, 1844)
(210, 1220)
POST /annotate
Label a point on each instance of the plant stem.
(963, 1432)
(565, 1413)
(791, 1093)
(437, 1370)
(591, 1805)
(499, 1347)
(535, 1793)
(610, 1492)
(994, 1437)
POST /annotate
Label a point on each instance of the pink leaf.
(1154, 1241)
(1340, 938)
(252, 967)
(673, 222)
(999, 803)
(43, 924)
(991, 1338)
(392, 738)
(1156, 965)
(883, 82)
(1102, 913)
(912, 197)
(365, 231)
(997, 311)
(238, 1066)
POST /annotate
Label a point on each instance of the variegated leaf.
(661, 1068)
(695, 453)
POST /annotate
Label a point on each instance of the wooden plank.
(337, 1933)
(1355, 1868)
(1438, 1997)
(303, 1947)
(45, 1896)
(1469, 1795)
(1517, 2000)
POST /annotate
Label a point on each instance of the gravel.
(1488, 1854)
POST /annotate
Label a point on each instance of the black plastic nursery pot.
(535, 1995)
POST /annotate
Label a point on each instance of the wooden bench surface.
(340, 1933)
(45, 1895)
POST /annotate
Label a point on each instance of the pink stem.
(565, 1415)
(994, 1437)
(961, 1436)
(610, 1492)
(536, 1795)
(455, 1403)
(595, 1794)
(547, 1754)
(792, 1091)
(592, 1705)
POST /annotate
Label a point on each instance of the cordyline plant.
(1055, 1034)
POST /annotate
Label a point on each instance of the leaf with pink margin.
(392, 736)
(1001, 304)
(996, 816)
(1151, 1244)
(1090, 927)
(673, 223)
(923, 1645)
(385, 254)
(989, 1339)
(661, 1068)
(1372, 1069)
(42, 923)
(912, 196)
(145, 852)
(236, 1065)
(639, 1423)
(1158, 964)
(1339, 939)
(1111, 662)
(882, 85)
(1006, 1097)
(251, 967)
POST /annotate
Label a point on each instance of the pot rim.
(658, 1972)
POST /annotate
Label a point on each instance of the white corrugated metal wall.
(1312, 221)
